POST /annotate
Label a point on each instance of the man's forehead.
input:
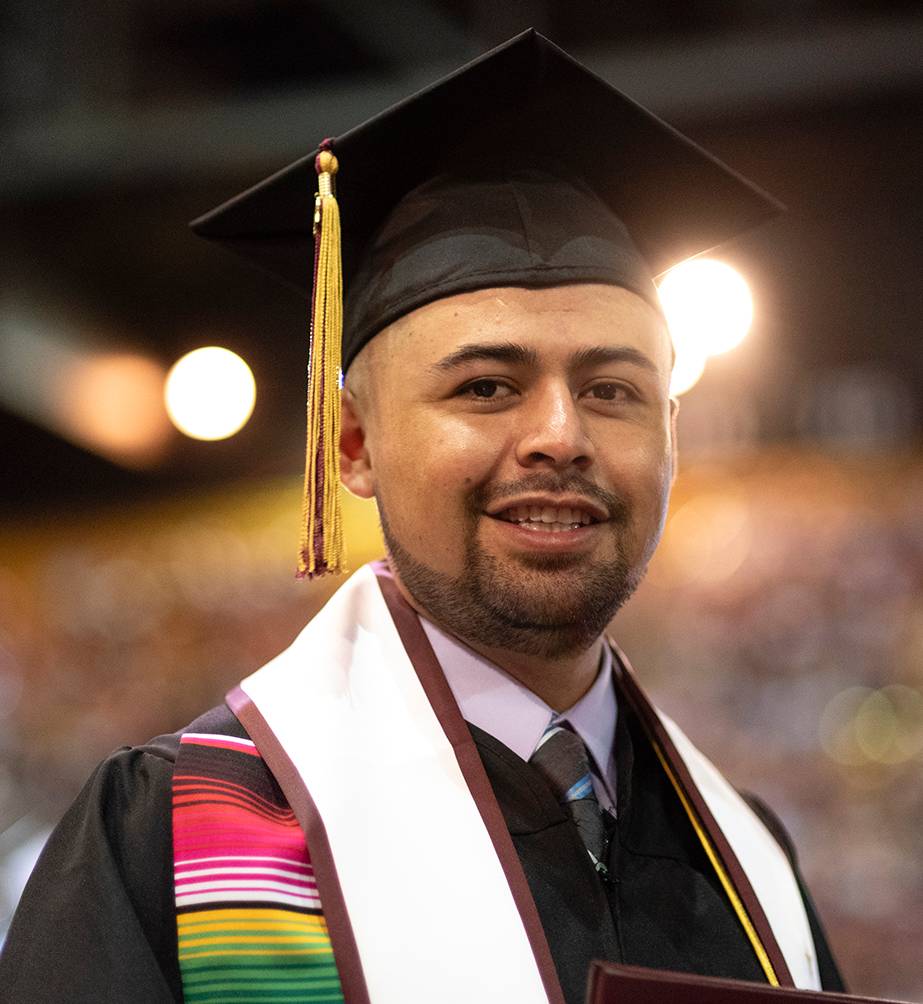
(579, 324)
(592, 302)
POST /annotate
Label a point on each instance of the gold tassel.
(321, 547)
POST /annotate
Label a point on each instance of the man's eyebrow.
(599, 355)
(515, 354)
(500, 352)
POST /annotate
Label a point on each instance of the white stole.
(425, 892)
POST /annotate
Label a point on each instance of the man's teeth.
(551, 517)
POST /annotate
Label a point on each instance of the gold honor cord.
(723, 876)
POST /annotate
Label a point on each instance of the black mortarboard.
(522, 168)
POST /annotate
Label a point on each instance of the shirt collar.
(492, 700)
(593, 718)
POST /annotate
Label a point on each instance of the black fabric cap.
(522, 168)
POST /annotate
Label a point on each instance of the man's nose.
(553, 432)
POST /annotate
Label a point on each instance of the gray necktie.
(562, 760)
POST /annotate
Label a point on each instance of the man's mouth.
(546, 519)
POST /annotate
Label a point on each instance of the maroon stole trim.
(345, 950)
(446, 710)
(631, 690)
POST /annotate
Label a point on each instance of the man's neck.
(560, 681)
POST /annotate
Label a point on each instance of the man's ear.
(674, 439)
(355, 463)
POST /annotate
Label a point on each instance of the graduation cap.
(522, 168)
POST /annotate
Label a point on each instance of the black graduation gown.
(662, 906)
(96, 923)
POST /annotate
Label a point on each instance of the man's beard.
(534, 604)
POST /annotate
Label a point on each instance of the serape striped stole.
(249, 920)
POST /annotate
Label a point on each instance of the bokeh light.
(111, 403)
(709, 310)
(862, 725)
(688, 367)
(709, 538)
(210, 393)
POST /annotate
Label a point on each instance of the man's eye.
(610, 392)
(485, 389)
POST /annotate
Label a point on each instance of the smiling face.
(519, 443)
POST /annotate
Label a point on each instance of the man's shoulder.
(130, 791)
(219, 721)
(160, 753)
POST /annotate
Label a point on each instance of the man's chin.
(549, 564)
(553, 590)
(534, 612)
(514, 562)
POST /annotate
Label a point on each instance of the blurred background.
(143, 571)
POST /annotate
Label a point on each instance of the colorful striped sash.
(250, 925)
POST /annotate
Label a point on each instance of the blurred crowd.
(781, 623)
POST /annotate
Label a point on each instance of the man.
(450, 788)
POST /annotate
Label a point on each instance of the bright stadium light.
(210, 393)
(707, 304)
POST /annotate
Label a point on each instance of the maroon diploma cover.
(611, 984)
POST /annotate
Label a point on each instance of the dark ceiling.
(164, 110)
